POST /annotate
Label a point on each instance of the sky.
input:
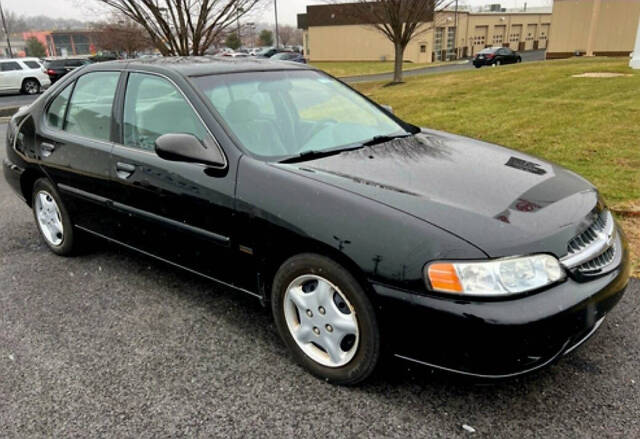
(287, 9)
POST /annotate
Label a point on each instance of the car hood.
(502, 201)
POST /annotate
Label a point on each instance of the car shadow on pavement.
(241, 308)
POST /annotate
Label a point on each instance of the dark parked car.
(365, 234)
(58, 67)
(496, 56)
(268, 52)
(289, 56)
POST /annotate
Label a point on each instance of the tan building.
(330, 36)
(593, 27)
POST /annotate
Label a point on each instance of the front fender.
(282, 211)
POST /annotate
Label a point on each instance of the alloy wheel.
(49, 218)
(31, 87)
(321, 320)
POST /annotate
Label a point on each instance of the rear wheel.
(325, 318)
(30, 87)
(52, 218)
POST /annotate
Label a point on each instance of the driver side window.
(153, 107)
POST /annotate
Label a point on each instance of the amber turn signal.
(443, 277)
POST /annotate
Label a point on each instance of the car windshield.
(287, 113)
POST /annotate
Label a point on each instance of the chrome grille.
(597, 264)
(586, 238)
(594, 249)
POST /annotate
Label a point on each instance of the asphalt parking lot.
(113, 344)
(15, 100)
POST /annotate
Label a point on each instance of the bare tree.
(184, 27)
(14, 24)
(398, 20)
(286, 34)
(121, 34)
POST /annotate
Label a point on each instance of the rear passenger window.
(32, 64)
(153, 107)
(55, 113)
(89, 113)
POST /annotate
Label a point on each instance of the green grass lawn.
(356, 68)
(589, 125)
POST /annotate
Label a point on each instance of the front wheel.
(30, 87)
(325, 318)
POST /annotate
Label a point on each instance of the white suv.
(25, 75)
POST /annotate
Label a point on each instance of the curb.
(626, 213)
(8, 111)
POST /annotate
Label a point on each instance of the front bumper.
(498, 338)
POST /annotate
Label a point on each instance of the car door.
(180, 212)
(74, 147)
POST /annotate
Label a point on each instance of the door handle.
(47, 148)
(125, 170)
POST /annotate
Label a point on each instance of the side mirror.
(187, 148)
(388, 108)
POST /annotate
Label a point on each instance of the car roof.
(207, 65)
(18, 59)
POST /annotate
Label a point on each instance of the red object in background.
(40, 36)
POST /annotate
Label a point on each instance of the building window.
(451, 43)
(81, 44)
(423, 48)
(437, 43)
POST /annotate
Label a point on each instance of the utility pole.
(6, 31)
(275, 7)
(455, 32)
(238, 12)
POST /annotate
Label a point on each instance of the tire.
(498, 63)
(519, 60)
(30, 87)
(476, 66)
(358, 351)
(51, 215)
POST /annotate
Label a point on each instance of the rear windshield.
(54, 64)
(488, 50)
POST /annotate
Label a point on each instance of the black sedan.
(58, 67)
(496, 56)
(363, 233)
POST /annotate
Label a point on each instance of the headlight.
(494, 278)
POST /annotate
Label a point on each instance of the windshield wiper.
(317, 154)
(381, 139)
